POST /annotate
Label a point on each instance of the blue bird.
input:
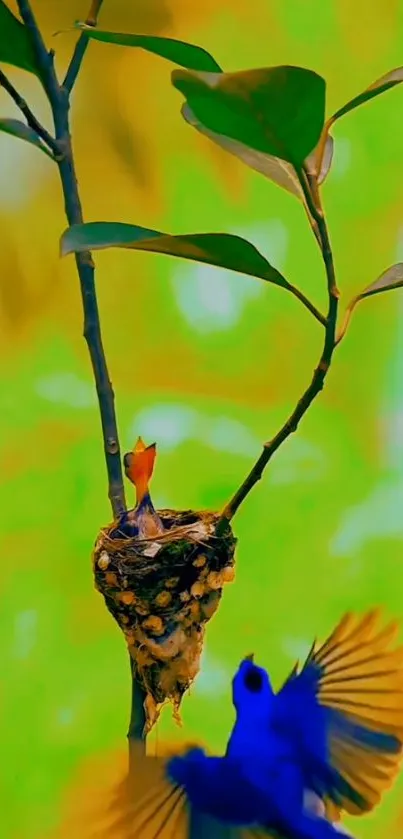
(330, 740)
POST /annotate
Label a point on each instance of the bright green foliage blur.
(207, 363)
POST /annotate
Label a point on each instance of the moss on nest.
(162, 591)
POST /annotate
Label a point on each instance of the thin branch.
(43, 57)
(59, 102)
(312, 198)
(29, 116)
(92, 329)
(311, 193)
(136, 732)
(81, 47)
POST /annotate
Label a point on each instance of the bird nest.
(162, 591)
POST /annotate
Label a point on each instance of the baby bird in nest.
(142, 522)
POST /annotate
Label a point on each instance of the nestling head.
(139, 465)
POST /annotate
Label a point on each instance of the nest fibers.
(162, 591)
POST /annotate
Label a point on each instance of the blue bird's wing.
(142, 805)
(343, 713)
(149, 805)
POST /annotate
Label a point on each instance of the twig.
(137, 712)
(43, 57)
(309, 186)
(311, 193)
(59, 102)
(81, 47)
(29, 116)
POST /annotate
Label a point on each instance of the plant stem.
(92, 330)
(59, 102)
(137, 712)
(309, 187)
(81, 47)
(29, 116)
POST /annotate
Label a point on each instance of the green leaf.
(186, 55)
(279, 111)
(385, 82)
(15, 46)
(277, 170)
(23, 132)
(219, 249)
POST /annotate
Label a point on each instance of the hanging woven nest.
(162, 590)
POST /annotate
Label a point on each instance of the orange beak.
(139, 465)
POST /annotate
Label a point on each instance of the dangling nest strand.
(162, 591)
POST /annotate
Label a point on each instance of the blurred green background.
(205, 362)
